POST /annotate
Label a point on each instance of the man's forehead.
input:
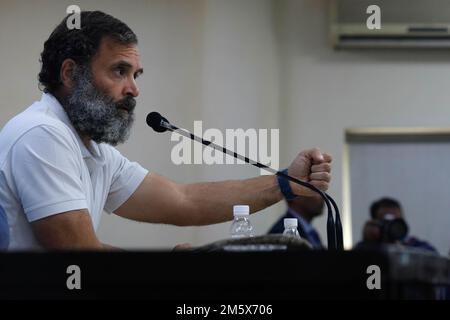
(114, 52)
(387, 208)
(384, 210)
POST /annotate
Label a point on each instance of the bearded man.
(59, 169)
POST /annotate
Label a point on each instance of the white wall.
(234, 63)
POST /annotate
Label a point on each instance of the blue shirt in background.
(4, 230)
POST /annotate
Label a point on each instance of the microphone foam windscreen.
(154, 121)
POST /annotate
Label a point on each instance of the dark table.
(222, 276)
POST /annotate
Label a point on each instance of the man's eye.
(120, 72)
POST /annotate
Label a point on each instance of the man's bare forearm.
(160, 200)
(212, 202)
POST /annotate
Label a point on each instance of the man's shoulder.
(36, 114)
(34, 117)
(278, 226)
(416, 242)
(109, 152)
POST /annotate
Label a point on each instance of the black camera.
(387, 230)
(393, 230)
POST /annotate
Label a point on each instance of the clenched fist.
(311, 166)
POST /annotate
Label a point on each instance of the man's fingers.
(313, 166)
(322, 185)
(318, 157)
(323, 167)
(320, 176)
(315, 155)
(327, 157)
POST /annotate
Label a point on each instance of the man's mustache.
(128, 103)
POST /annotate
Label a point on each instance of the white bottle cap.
(290, 223)
(241, 210)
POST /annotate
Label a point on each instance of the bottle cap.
(290, 223)
(241, 210)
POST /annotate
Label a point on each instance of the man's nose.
(131, 89)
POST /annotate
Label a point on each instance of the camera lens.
(394, 230)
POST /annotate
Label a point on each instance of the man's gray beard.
(94, 114)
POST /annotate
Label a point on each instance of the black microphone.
(334, 230)
(157, 121)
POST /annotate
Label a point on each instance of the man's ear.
(66, 74)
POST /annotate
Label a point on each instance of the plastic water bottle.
(241, 226)
(290, 228)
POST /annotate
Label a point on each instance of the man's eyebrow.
(139, 72)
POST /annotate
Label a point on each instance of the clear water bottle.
(290, 228)
(241, 226)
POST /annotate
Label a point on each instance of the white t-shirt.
(45, 169)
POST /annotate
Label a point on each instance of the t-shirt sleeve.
(47, 173)
(126, 178)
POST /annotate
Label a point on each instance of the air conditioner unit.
(404, 24)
